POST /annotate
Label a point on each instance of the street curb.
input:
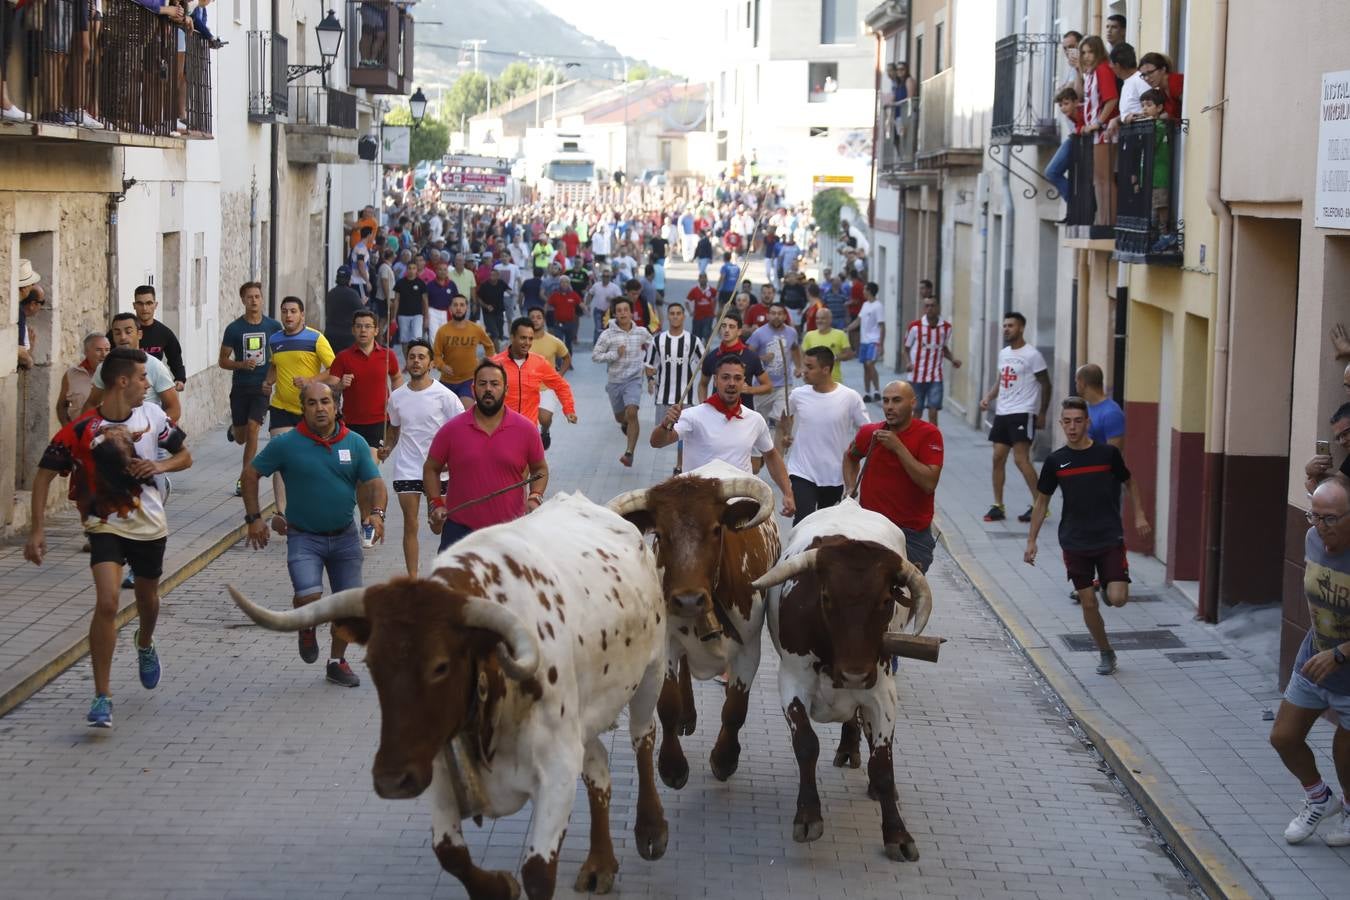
(76, 637)
(1213, 863)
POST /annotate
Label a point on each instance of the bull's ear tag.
(482, 687)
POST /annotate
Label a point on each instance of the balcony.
(941, 144)
(1147, 228)
(322, 126)
(267, 59)
(379, 46)
(1024, 90)
(131, 86)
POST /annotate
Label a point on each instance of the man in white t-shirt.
(417, 410)
(435, 227)
(871, 328)
(1022, 388)
(721, 428)
(822, 418)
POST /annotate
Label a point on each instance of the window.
(822, 81)
(937, 46)
(755, 35)
(917, 69)
(838, 21)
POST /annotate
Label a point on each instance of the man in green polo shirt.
(327, 470)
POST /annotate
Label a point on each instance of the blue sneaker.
(100, 712)
(147, 662)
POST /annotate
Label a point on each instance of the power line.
(516, 55)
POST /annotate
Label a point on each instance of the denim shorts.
(919, 546)
(927, 395)
(867, 353)
(308, 555)
(1304, 694)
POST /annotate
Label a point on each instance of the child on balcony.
(1057, 173)
(1154, 104)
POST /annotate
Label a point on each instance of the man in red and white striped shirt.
(927, 344)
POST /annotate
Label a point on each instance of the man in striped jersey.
(927, 344)
(673, 361)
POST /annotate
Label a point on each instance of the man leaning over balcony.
(1057, 171)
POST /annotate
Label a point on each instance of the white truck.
(568, 173)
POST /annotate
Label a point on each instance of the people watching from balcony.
(1156, 69)
(1153, 105)
(374, 33)
(1057, 172)
(1100, 100)
(1132, 85)
(1114, 33)
(10, 18)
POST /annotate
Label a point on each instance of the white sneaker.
(1341, 836)
(13, 114)
(1312, 815)
(87, 121)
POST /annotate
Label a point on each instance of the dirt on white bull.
(714, 534)
(841, 585)
(498, 674)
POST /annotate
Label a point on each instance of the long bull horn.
(753, 488)
(348, 604)
(521, 658)
(917, 583)
(629, 502)
(788, 568)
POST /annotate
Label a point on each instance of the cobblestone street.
(244, 774)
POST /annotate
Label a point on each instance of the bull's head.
(859, 586)
(428, 648)
(688, 514)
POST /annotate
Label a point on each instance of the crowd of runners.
(446, 344)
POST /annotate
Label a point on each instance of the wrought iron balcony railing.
(1024, 90)
(268, 54)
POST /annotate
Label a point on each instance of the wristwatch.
(250, 518)
(1337, 655)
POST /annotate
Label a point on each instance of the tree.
(430, 140)
(466, 98)
(519, 78)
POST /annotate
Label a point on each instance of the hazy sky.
(667, 38)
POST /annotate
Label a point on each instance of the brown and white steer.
(498, 675)
(842, 583)
(715, 534)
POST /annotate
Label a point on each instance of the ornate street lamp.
(329, 32)
(417, 105)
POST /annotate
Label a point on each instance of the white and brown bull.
(842, 584)
(498, 675)
(715, 534)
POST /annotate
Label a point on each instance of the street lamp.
(329, 32)
(417, 105)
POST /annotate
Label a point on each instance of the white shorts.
(437, 318)
(409, 328)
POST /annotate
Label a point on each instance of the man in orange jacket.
(527, 373)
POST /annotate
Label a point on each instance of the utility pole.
(625, 119)
(554, 69)
(477, 42)
(538, 90)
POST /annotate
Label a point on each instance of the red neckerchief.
(717, 403)
(736, 347)
(338, 435)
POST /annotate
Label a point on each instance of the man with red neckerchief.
(756, 379)
(722, 427)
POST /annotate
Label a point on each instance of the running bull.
(715, 534)
(498, 675)
(843, 582)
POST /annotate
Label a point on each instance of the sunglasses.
(35, 301)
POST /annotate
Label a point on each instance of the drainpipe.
(877, 137)
(979, 280)
(1122, 318)
(327, 225)
(1009, 214)
(274, 188)
(1223, 300)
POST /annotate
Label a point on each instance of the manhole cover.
(1196, 656)
(1151, 639)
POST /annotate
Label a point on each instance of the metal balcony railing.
(939, 142)
(1024, 90)
(312, 105)
(137, 72)
(899, 135)
(267, 59)
(1147, 227)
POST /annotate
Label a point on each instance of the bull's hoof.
(596, 878)
(851, 758)
(686, 725)
(905, 851)
(806, 832)
(724, 765)
(674, 772)
(651, 840)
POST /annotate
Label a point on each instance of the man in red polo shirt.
(702, 299)
(903, 463)
(566, 303)
(364, 375)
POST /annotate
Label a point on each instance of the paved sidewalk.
(45, 613)
(1188, 729)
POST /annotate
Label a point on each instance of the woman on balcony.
(1101, 98)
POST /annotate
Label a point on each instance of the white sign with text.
(1332, 197)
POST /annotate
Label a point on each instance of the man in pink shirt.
(485, 448)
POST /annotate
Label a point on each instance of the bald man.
(1106, 417)
(328, 470)
(903, 461)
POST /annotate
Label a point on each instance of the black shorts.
(374, 434)
(415, 486)
(1105, 565)
(1017, 428)
(146, 558)
(248, 404)
(282, 418)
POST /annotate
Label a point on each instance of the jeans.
(307, 555)
(453, 532)
(598, 315)
(703, 329)
(919, 546)
(809, 496)
(1058, 170)
(569, 333)
(703, 265)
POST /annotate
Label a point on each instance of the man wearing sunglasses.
(1320, 678)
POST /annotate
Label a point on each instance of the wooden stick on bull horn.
(911, 646)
